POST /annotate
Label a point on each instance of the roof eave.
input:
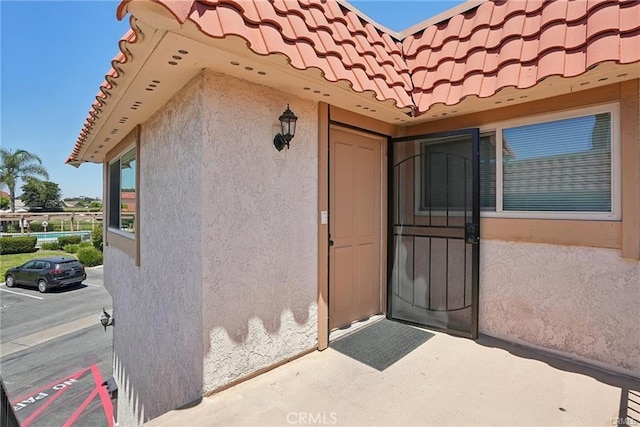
(136, 46)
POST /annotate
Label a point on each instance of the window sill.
(599, 234)
(122, 233)
(124, 241)
(567, 216)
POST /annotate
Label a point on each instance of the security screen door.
(434, 236)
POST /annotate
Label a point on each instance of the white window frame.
(616, 192)
(111, 229)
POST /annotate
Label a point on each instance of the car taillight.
(56, 271)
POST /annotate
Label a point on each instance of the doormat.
(381, 344)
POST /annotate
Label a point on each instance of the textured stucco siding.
(578, 301)
(157, 306)
(259, 224)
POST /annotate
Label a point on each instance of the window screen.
(114, 194)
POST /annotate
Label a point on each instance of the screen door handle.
(471, 233)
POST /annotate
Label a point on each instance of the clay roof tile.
(630, 16)
(494, 45)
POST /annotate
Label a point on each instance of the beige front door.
(355, 187)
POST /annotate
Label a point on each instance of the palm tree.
(20, 164)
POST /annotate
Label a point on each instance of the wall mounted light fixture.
(288, 129)
(106, 319)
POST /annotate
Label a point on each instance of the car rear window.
(69, 264)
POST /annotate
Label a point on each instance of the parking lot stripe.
(46, 404)
(80, 408)
(104, 395)
(18, 293)
(75, 375)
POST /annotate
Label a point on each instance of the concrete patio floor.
(445, 381)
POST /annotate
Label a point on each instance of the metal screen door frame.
(470, 232)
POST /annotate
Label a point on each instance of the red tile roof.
(104, 91)
(495, 45)
(518, 43)
(128, 198)
(316, 34)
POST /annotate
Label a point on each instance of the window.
(488, 171)
(122, 192)
(557, 166)
(69, 264)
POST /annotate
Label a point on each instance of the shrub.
(36, 226)
(96, 238)
(71, 248)
(18, 245)
(50, 246)
(69, 240)
(85, 245)
(89, 256)
(9, 227)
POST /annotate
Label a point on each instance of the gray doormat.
(381, 344)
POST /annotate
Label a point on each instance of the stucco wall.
(259, 226)
(578, 301)
(157, 306)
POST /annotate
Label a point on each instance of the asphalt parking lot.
(24, 310)
(55, 354)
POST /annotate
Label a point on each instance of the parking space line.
(60, 387)
(50, 401)
(18, 293)
(75, 375)
(103, 393)
(76, 414)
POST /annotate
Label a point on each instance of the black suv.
(46, 273)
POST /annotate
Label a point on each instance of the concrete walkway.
(445, 381)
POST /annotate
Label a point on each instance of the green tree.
(4, 202)
(42, 194)
(19, 165)
(95, 205)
